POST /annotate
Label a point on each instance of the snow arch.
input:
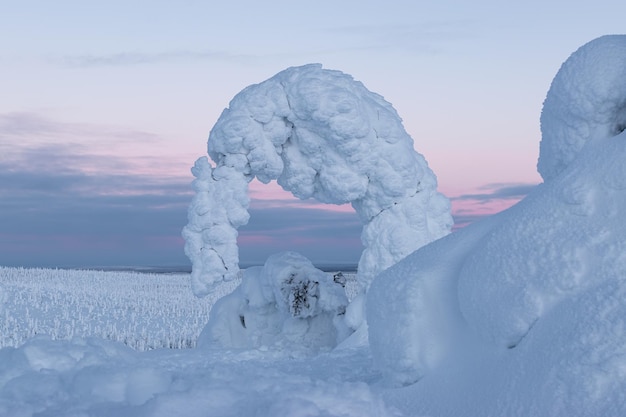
(320, 134)
(586, 100)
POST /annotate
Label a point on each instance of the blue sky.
(105, 107)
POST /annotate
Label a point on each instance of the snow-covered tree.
(320, 134)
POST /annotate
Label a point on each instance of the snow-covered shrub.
(321, 135)
(287, 302)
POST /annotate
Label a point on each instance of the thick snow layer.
(219, 207)
(93, 377)
(288, 303)
(321, 135)
(586, 101)
(526, 308)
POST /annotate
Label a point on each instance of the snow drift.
(321, 135)
(529, 306)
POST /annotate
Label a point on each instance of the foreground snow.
(89, 376)
(56, 362)
(92, 377)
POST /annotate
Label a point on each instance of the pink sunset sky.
(105, 107)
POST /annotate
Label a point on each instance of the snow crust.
(528, 307)
(287, 303)
(321, 135)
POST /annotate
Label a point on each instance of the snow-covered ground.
(82, 374)
(520, 314)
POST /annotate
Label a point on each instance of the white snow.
(587, 100)
(142, 310)
(520, 314)
(321, 135)
(83, 375)
(288, 303)
(529, 306)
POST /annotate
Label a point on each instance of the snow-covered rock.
(287, 303)
(320, 134)
(526, 306)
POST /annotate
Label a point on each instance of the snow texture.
(586, 101)
(321, 135)
(94, 377)
(527, 307)
(288, 303)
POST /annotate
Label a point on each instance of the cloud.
(36, 129)
(42, 143)
(56, 214)
(144, 58)
(424, 37)
(312, 222)
(515, 191)
(468, 208)
(70, 194)
(464, 219)
(324, 236)
(61, 205)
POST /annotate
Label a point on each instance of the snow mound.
(288, 303)
(526, 307)
(321, 135)
(586, 101)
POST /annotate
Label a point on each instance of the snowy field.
(142, 310)
(72, 342)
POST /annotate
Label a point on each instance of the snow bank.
(288, 303)
(526, 308)
(321, 135)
